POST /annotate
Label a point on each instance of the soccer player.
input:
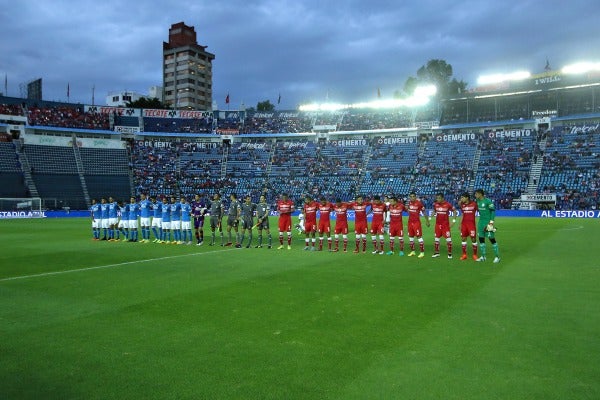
(104, 218)
(485, 226)
(198, 211)
(233, 220)
(325, 208)
(145, 213)
(341, 224)
(166, 222)
(134, 210)
(360, 222)
(263, 210)
(415, 209)
(285, 207)
(247, 211)
(379, 211)
(467, 225)
(95, 214)
(442, 210)
(300, 225)
(216, 214)
(396, 227)
(123, 224)
(186, 221)
(310, 224)
(113, 219)
(175, 209)
(157, 219)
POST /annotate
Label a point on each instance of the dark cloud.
(305, 50)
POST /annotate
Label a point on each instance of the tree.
(144, 102)
(265, 106)
(439, 73)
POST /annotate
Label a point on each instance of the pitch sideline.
(14, 278)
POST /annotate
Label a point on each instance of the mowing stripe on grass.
(13, 278)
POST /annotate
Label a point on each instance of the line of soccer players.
(390, 212)
(170, 222)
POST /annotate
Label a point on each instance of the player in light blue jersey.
(112, 218)
(95, 214)
(104, 218)
(166, 222)
(145, 213)
(123, 224)
(186, 221)
(156, 219)
(175, 208)
(134, 212)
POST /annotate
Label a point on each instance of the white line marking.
(14, 278)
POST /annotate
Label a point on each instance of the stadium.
(89, 319)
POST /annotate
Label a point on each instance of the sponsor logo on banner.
(397, 140)
(121, 111)
(585, 128)
(571, 214)
(544, 113)
(538, 197)
(349, 142)
(455, 137)
(127, 129)
(512, 133)
(22, 214)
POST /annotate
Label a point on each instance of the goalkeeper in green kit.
(485, 226)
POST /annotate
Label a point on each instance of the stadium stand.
(12, 182)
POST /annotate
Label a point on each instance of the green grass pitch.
(96, 320)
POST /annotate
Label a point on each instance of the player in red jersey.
(341, 224)
(396, 226)
(379, 211)
(285, 207)
(415, 209)
(442, 211)
(468, 225)
(360, 222)
(310, 222)
(325, 209)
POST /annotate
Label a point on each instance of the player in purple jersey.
(198, 211)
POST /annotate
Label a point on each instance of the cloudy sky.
(304, 50)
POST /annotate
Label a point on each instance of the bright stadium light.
(580, 68)
(497, 78)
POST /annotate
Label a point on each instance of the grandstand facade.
(511, 144)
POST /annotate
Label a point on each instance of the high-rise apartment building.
(187, 70)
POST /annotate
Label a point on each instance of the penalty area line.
(68, 271)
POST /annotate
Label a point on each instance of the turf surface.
(95, 320)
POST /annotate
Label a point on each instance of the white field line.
(14, 278)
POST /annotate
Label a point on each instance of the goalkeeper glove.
(490, 227)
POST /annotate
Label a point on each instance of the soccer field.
(81, 319)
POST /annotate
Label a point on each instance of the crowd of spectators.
(67, 117)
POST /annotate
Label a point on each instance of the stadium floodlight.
(581, 67)
(498, 78)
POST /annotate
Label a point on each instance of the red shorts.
(396, 230)
(442, 230)
(324, 226)
(310, 226)
(468, 230)
(414, 229)
(360, 227)
(285, 223)
(377, 228)
(341, 229)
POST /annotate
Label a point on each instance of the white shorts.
(104, 223)
(186, 225)
(95, 223)
(145, 222)
(175, 225)
(166, 225)
(112, 221)
(123, 224)
(133, 224)
(157, 221)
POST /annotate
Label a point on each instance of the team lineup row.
(171, 222)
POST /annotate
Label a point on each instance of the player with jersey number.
(341, 224)
(263, 210)
(156, 219)
(485, 226)
(248, 209)
(198, 211)
(134, 212)
(166, 222)
(186, 221)
(325, 208)
(104, 218)
(113, 219)
(467, 225)
(310, 222)
(415, 209)
(442, 211)
(217, 209)
(175, 208)
(285, 207)
(360, 222)
(396, 228)
(379, 211)
(95, 214)
(145, 213)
